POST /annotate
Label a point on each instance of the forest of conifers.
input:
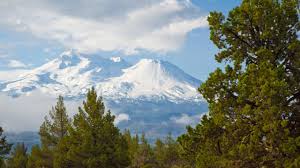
(254, 107)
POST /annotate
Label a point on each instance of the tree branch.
(295, 96)
(238, 37)
(245, 100)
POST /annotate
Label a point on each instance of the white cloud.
(11, 74)
(3, 55)
(89, 26)
(27, 112)
(47, 50)
(185, 119)
(16, 64)
(121, 117)
(21, 114)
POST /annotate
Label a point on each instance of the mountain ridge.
(155, 96)
(72, 73)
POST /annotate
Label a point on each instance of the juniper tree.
(52, 131)
(254, 103)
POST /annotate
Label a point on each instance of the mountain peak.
(73, 73)
(149, 62)
(69, 53)
(152, 79)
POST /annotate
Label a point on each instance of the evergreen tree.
(133, 145)
(144, 157)
(172, 157)
(60, 152)
(52, 132)
(255, 102)
(94, 140)
(159, 153)
(4, 148)
(167, 153)
(202, 145)
(56, 128)
(164, 154)
(18, 157)
(41, 158)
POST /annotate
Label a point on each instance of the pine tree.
(40, 158)
(159, 153)
(133, 145)
(18, 157)
(172, 158)
(254, 102)
(52, 132)
(167, 153)
(94, 140)
(144, 157)
(60, 152)
(4, 148)
(56, 128)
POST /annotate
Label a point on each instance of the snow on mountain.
(152, 96)
(152, 79)
(72, 73)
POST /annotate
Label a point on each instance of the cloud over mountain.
(16, 64)
(103, 25)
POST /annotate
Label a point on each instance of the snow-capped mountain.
(72, 73)
(152, 96)
(152, 79)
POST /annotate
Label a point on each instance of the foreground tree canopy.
(254, 103)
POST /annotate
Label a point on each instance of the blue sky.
(173, 30)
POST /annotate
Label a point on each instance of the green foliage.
(133, 145)
(164, 154)
(52, 132)
(167, 153)
(94, 141)
(4, 148)
(254, 103)
(144, 156)
(18, 157)
(40, 157)
(56, 128)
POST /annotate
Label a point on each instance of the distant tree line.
(254, 107)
